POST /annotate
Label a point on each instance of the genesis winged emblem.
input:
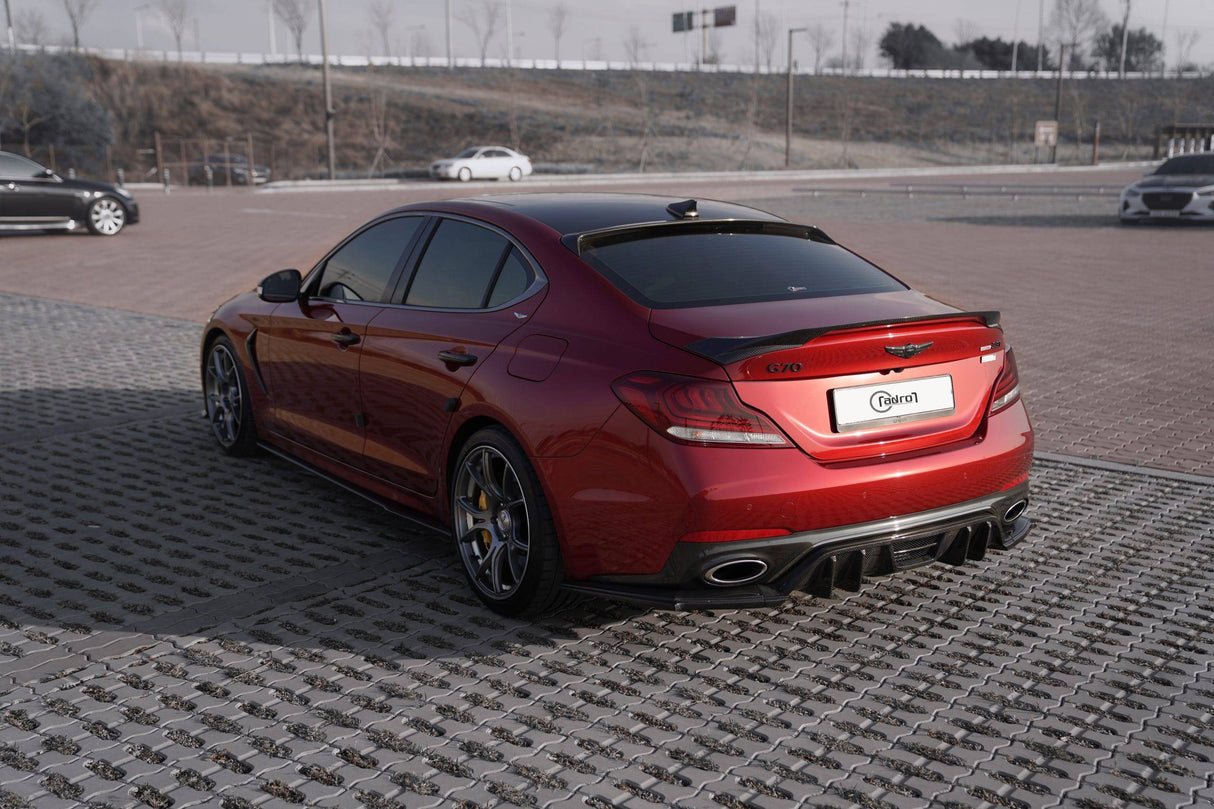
(909, 350)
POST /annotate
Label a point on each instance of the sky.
(597, 29)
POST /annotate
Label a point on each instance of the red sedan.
(688, 403)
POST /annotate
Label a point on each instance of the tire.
(465, 174)
(502, 527)
(105, 217)
(229, 412)
(516, 174)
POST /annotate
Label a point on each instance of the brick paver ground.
(178, 628)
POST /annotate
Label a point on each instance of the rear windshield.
(1188, 164)
(714, 269)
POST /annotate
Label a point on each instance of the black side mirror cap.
(281, 287)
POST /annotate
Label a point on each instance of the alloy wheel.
(107, 216)
(492, 522)
(223, 395)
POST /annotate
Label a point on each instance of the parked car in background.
(483, 163)
(220, 164)
(32, 198)
(692, 404)
(1182, 188)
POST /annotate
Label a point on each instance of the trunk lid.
(851, 377)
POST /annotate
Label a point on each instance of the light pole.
(12, 39)
(329, 113)
(788, 118)
(138, 23)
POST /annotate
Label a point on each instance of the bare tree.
(821, 39)
(383, 130)
(176, 14)
(558, 21)
(30, 27)
(635, 48)
(861, 41)
(482, 20)
(1076, 22)
(965, 31)
(381, 14)
(769, 38)
(1185, 42)
(419, 43)
(78, 12)
(295, 15)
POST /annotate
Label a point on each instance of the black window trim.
(538, 279)
(317, 271)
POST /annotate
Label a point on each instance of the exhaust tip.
(735, 572)
(1013, 512)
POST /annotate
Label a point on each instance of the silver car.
(1182, 188)
(483, 163)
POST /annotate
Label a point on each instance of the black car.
(221, 164)
(32, 197)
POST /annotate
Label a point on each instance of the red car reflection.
(687, 403)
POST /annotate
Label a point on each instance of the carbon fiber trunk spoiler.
(726, 350)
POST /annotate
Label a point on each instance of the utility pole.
(1125, 36)
(846, 4)
(756, 36)
(12, 39)
(450, 58)
(1164, 60)
(788, 113)
(1016, 36)
(329, 113)
(1058, 104)
(270, 23)
(509, 34)
(1040, 33)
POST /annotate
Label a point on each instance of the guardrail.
(347, 60)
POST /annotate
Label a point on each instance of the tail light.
(1007, 386)
(704, 412)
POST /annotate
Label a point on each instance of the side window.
(512, 281)
(361, 269)
(13, 167)
(458, 266)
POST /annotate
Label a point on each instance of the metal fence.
(349, 60)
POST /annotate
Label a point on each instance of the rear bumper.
(818, 562)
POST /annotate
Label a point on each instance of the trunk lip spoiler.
(726, 350)
(580, 242)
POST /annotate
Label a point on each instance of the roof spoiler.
(725, 350)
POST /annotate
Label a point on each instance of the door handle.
(346, 339)
(12, 187)
(456, 358)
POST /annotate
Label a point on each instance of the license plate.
(1165, 213)
(892, 402)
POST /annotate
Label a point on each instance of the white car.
(482, 163)
(1182, 188)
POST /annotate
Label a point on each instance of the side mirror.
(281, 287)
(47, 173)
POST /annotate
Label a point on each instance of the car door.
(30, 192)
(472, 287)
(314, 346)
(498, 163)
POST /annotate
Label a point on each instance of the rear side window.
(718, 268)
(460, 263)
(512, 281)
(362, 268)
